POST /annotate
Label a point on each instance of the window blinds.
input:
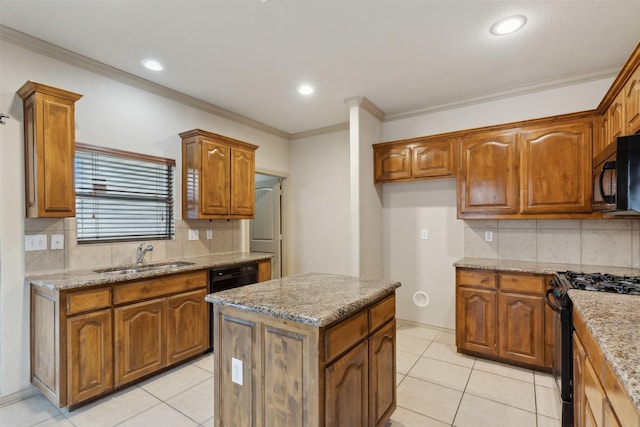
(122, 196)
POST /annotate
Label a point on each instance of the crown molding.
(511, 92)
(47, 49)
(320, 131)
(364, 103)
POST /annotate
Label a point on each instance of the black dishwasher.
(221, 279)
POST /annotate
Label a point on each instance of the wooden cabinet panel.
(90, 355)
(480, 278)
(264, 270)
(594, 395)
(49, 137)
(187, 325)
(152, 288)
(434, 159)
(522, 283)
(555, 165)
(243, 193)
(632, 103)
(215, 173)
(341, 337)
(140, 339)
(382, 312)
(521, 319)
(93, 299)
(476, 320)
(347, 389)
(382, 377)
(218, 176)
(579, 358)
(615, 119)
(488, 181)
(392, 163)
(626, 413)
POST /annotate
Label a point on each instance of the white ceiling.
(248, 57)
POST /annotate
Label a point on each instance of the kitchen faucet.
(141, 252)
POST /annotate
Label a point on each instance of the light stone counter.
(614, 322)
(72, 279)
(540, 267)
(312, 299)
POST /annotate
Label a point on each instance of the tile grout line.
(463, 393)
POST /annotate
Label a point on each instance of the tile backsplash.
(614, 242)
(225, 238)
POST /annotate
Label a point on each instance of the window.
(122, 196)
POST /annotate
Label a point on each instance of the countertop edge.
(535, 267)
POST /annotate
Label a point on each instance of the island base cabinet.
(347, 389)
(276, 372)
(90, 362)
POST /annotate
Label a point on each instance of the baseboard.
(18, 395)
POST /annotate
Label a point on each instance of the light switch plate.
(57, 241)
(424, 234)
(236, 371)
(194, 235)
(35, 242)
(209, 234)
(488, 236)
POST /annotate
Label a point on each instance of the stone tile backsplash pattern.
(226, 238)
(613, 242)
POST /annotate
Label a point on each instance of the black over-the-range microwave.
(616, 177)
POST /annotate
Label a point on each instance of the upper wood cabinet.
(555, 168)
(218, 176)
(487, 173)
(412, 159)
(49, 148)
(632, 103)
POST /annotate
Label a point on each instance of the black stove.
(600, 282)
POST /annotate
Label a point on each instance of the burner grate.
(604, 282)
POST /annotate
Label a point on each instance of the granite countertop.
(312, 299)
(614, 322)
(72, 279)
(541, 267)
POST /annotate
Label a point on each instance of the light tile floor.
(437, 387)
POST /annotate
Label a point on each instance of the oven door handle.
(553, 306)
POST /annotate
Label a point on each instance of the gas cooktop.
(601, 282)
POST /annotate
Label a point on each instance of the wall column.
(365, 129)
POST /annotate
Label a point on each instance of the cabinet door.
(615, 119)
(382, 374)
(243, 195)
(89, 355)
(140, 338)
(521, 319)
(476, 320)
(215, 175)
(347, 389)
(434, 159)
(487, 174)
(555, 162)
(632, 103)
(391, 163)
(594, 396)
(187, 325)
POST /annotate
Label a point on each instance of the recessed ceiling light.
(152, 64)
(305, 89)
(508, 25)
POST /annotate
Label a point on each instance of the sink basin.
(143, 268)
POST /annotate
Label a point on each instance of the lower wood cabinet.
(599, 398)
(293, 374)
(503, 317)
(88, 341)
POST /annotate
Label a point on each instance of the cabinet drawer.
(346, 334)
(82, 301)
(593, 350)
(620, 401)
(484, 279)
(382, 312)
(164, 285)
(522, 283)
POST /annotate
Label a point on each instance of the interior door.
(266, 227)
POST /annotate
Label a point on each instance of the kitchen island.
(307, 350)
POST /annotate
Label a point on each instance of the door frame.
(285, 210)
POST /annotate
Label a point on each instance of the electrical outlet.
(424, 235)
(236, 371)
(194, 235)
(57, 241)
(35, 242)
(488, 236)
(209, 234)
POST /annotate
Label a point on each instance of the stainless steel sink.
(143, 268)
